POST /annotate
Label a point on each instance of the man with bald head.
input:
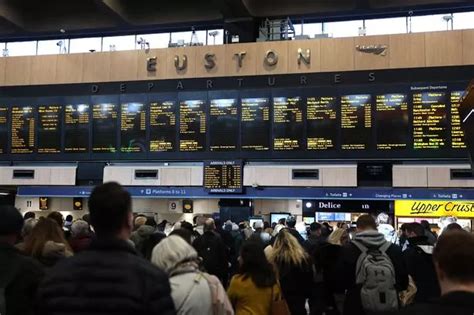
(213, 251)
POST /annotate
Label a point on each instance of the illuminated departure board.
(288, 125)
(76, 128)
(3, 129)
(223, 176)
(457, 134)
(321, 122)
(356, 121)
(391, 114)
(49, 128)
(23, 129)
(192, 126)
(133, 128)
(429, 120)
(223, 125)
(104, 128)
(163, 126)
(255, 124)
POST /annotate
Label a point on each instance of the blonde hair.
(171, 252)
(336, 236)
(287, 250)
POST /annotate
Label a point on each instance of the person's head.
(425, 224)
(383, 218)
(266, 225)
(218, 223)
(338, 237)
(187, 226)
(11, 223)
(228, 226)
(29, 215)
(69, 218)
(80, 228)
(110, 208)
(291, 222)
(258, 226)
(453, 227)
(87, 217)
(139, 221)
(315, 229)
(45, 230)
(150, 221)
(403, 229)
(185, 234)
(282, 221)
(287, 250)
(28, 227)
(273, 225)
(57, 217)
(254, 264)
(366, 223)
(173, 252)
(209, 225)
(453, 256)
(414, 230)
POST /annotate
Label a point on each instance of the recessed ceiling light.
(62, 30)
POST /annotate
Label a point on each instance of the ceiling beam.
(12, 16)
(114, 9)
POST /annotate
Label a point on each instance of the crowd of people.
(114, 262)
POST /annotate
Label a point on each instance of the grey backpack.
(375, 274)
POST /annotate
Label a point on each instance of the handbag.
(407, 297)
(279, 305)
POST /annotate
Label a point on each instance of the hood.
(145, 230)
(54, 250)
(427, 249)
(370, 238)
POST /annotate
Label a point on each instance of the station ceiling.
(25, 19)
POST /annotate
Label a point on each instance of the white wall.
(265, 207)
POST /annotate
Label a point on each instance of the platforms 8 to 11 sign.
(223, 176)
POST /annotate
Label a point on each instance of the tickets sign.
(420, 208)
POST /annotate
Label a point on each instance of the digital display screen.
(76, 128)
(133, 128)
(430, 123)
(457, 134)
(321, 122)
(163, 126)
(3, 129)
(391, 114)
(223, 176)
(192, 126)
(255, 124)
(288, 125)
(104, 128)
(223, 125)
(49, 128)
(356, 121)
(23, 130)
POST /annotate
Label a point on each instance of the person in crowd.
(193, 291)
(19, 275)
(326, 230)
(29, 215)
(139, 221)
(237, 241)
(246, 230)
(432, 237)
(213, 251)
(226, 238)
(453, 257)
(81, 236)
(47, 243)
(291, 224)
(26, 232)
(87, 217)
(315, 240)
(384, 227)
(185, 234)
(402, 237)
(294, 268)
(352, 276)
(57, 217)
(266, 225)
(109, 277)
(259, 234)
(419, 262)
(68, 222)
(198, 222)
(146, 237)
(253, 288)
(453, 227)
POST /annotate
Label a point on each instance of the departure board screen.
(104, 128)
(255, 124)
(457, 134)
(223, 176)
(163, 126)
(391, 116)
(192, 126)
(430, 120)
(49, 128)
(23, 129)
(321, 122)
(223, 125)
(356, 121)
(133, 128)
(76, 128)
(3, 129)
(288, 125)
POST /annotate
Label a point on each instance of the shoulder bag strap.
(385, 247)
(360, 246)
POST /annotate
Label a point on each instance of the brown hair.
(45, 230)
(365, 222)
(454, 255)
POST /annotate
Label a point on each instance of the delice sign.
(311, 206)
(420, 208)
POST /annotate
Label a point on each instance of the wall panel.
(43, 69)
(407, 50)
(468, 47)
(2, 71)
(18, 70)
(123, 65)
(160, 73)
(443, 48)
(249, 61)
(368, 61)
(315, 62)
(337, 54)
(219, 58)
(190, 71)
(96, 67)
(69, 68)
(281, 49)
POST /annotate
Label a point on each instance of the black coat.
(108, 278)
(421, 268)
(456, 303)
(346, 273)
(214, 253)
(21, 276)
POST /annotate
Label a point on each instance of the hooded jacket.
(52, 253)
(346, 269)
(140, 235)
